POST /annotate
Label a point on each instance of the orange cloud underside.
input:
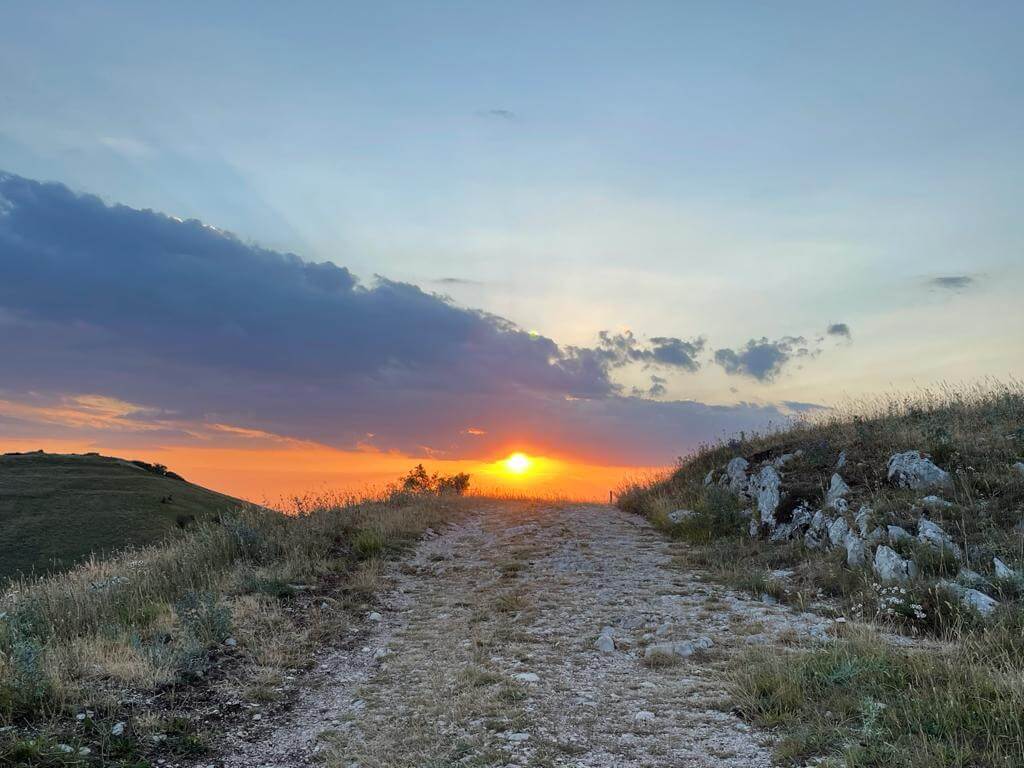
(272, 474)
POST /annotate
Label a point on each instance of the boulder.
(1003, 571)
(766, 488)
(890, 567)
(709, 477)
(814, 539)
(837, 531)
(876, 536)
(931, 533)
(898, 534)
(841, 461)
(836, 496)
(863, 519)
(970, 578)
(802, 516)
(683, 649)
(972, 598)
(855, 551)
(736, 474)
(1018, 467)
(605, 642)
(913, 470)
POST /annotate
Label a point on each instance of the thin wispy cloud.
(952, 282)
(498, 114)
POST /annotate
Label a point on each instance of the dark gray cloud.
(839, 329)
(456, 281)
(620, 349)
(952, 282)
(198, 325)
(655, 390)
(762, 359)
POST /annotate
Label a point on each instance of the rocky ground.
(531, 635)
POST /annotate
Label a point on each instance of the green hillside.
(56, 509)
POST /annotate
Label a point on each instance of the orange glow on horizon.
(273, 474)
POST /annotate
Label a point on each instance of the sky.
(285, 248)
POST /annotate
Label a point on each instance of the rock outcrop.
(913, 470)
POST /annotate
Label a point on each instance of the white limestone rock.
(898, 534)
(972, 598)
(1003, 571)
(931, 533)
(767, 491)
(863, 519)
(913, 470)
(681, 649)
(837, 531)
(814, 538)
(605, 642)
(836, 496)
(890, 567)
(855, 550)
(736, 474)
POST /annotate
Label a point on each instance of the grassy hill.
(904, 521)
(57, 509)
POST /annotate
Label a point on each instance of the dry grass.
(250, 593)
(862, 701)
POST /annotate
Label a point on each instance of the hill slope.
(56, 509)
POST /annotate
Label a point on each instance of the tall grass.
(116, 630)
(957, 699)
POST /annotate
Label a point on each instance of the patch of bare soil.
(486, 653)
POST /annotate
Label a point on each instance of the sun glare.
(517, 463)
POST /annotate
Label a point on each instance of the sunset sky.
(304, 246)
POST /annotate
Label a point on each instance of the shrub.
(205, 621)
(418, 481)
(369, 542)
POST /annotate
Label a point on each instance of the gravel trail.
(486, 653)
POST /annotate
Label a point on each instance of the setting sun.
(517, 463)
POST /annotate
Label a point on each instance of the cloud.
(621, 349)
(192, 328)
(800, 407)
(952, 282)
(839, 329)
(456, 281)
(762, 359)
(498, 114)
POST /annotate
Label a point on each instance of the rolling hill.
(57, 509)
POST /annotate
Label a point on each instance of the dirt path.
(485, 654)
